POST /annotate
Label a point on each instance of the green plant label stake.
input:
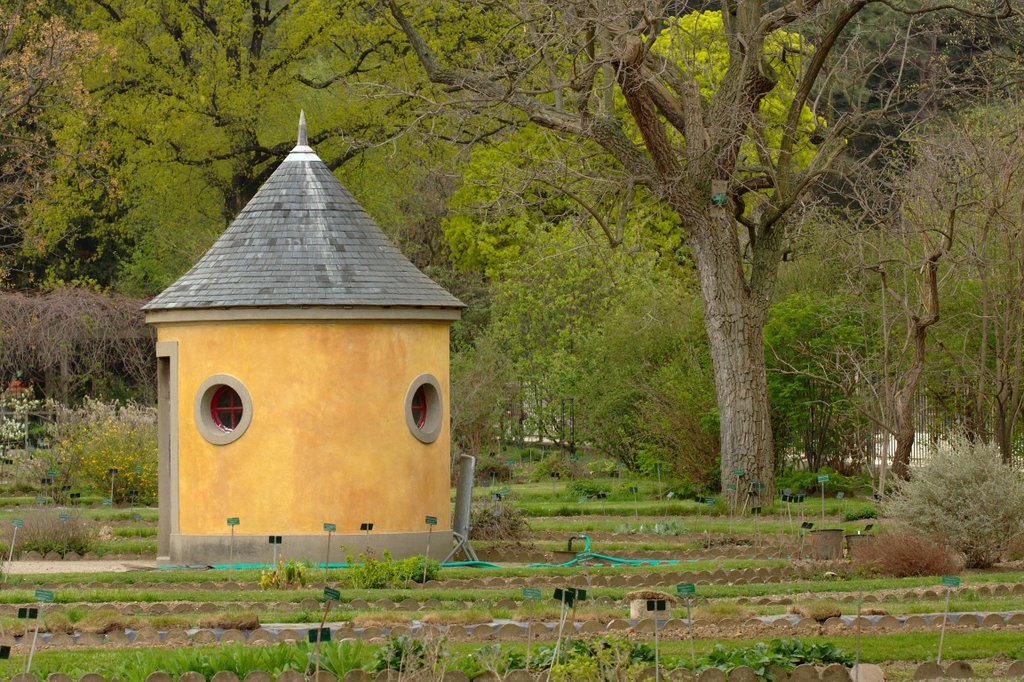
(331, 594)
(431, 521)
(43, 597)
(823, 479)
(949, 582)
(329, 528)
(688, 590)
(232, 522)
(531, 595)
(17, 523)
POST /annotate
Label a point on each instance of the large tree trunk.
(734, 320)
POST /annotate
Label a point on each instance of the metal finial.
(303, 142)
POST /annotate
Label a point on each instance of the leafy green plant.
(786, 653)
(399, 653)
(372, 573)
(338, 658)
(860, 511)
(286, 574)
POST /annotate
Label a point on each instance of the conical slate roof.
(303, 240)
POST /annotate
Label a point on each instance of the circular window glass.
(226, 408)
(423, 408)
(419, 407)
(223, 409)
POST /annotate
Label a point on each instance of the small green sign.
(633, 489)
(232, 520)
(44, 596)
(331, 594)
(40, 499)
(319, 634)
(686, 588)
(138, 470)
(739, 473)
(731, 488)
(17, 523)
(431, 521)
(583, 499)
(51, 472)
(951, 580)
(64, 517)
(531, 593)
(107, 502)
(330, 527)
(823, 478)
(840, 495)
(503, 491)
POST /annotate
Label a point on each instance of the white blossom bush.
(966, 498)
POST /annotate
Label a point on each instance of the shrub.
(965, 498)
(903, 555)
(89, 441)
(860, 511)
(584, 487)
(44, 532)
(497, 522)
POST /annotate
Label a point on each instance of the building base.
(219, 550)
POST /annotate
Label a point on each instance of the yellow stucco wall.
(328, 439)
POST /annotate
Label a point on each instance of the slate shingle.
(303, 240)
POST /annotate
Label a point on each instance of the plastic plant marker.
(17, 523)
(949, 582)
(232, 522)
(274, 540)
(44, 596)
(331, 594)
(319, 635)
(329, 528)
(531, 594)
(64, 517)
(431, 521)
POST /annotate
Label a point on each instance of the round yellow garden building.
(303, 380)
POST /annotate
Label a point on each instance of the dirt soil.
(122, 566)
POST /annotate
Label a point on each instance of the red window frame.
(226, 417)
(419, 407)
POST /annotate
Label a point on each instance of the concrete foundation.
(215, 550)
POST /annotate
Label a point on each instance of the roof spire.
(303, 142)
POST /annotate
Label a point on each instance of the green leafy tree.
(729, 143)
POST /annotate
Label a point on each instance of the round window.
(423, 410)
(223, 409)
(226, 408)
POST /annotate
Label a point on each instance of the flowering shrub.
(89, 441)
